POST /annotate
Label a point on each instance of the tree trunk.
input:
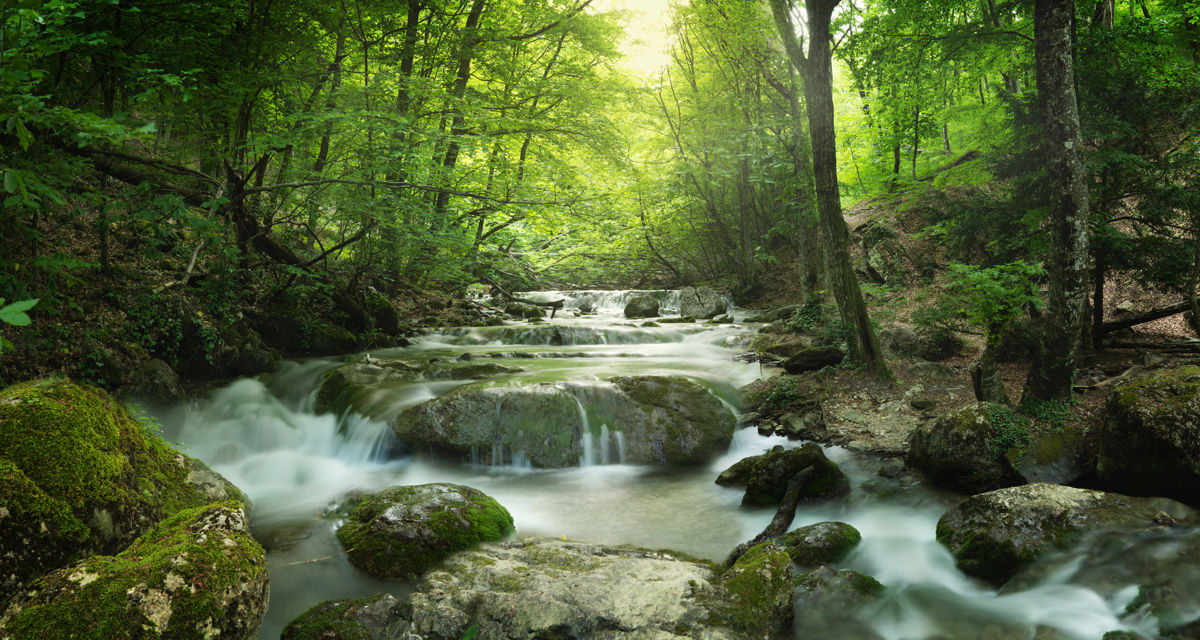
(985, 377)
(1053, 368)
(818, 95)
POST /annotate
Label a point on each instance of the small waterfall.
(620, 439)
(604, 444)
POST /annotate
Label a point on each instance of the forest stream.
(295, 465)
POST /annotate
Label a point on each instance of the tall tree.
(1053, 367)
(817, 70)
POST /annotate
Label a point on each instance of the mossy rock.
(959, 451)
(370, 618)
(821, 543)
(766, 476)
(683, 424)
(75, 461)
(994, 535)
(828, 602)
(196, 574)
(759, 592)
(402, 532)
(1150, 441)
(358, 386)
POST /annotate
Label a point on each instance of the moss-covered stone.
(959, 451)
(759, 591)
(358, 386)
(197, 574)
(996, 534)
(1150, 441)
(684, 423)
(402, 532)
(821, 543)
(370, 618)
(828, 602)
(74, 457)
(766, 476)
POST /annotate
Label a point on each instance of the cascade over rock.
(358, 385)
(78, 476)
(663, 419)
(642, 306)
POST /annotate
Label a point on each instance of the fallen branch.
(783, 516)
(1146, 316)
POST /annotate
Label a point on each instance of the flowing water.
(294, 465)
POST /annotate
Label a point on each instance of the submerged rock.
(701, 303)
(1150, 441)
(662, 419)
(964, 450)
(993, 535)
(766, 476)
(828, 600)
(78, 476)
(197, 574)
(642, 306)
(821, 543)
(402, 532)
(371, 618)
(557, 589)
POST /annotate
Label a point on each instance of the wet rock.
(662, 419)
(196, 574)
(402, 532)
(79, 476)
(557, 589)
(821, 543)
(372, 618)
(805, 422)
(642, 306)
(1061, 456)
(766, 476)
(359, 385)
(993, 535)
(1150, 441)
(701, 303)
(813, 359)
(962, 450)
(759, 589)
(154, 382)
(828, 600)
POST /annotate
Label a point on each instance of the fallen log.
(1146, 316)
(783, 516)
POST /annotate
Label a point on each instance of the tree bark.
(818, 94)
(1053, 368)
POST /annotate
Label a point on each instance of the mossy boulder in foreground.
(371, 618)
(996, 534)
(821, 543)
(79, 476)
(766, 476)
(196, 575)
(402, 532)
(759, 591)
(962, 450)
(1150, 441)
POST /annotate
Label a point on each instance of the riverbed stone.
(668, 420)
(372, 618)
(993, 535)
(402, 532)
(962, 450)
(642, 306)
(701, 303)
(822, 543)
(766, 476)
(545, 588)
(196, 574)
(362, 386)
(827, 601)
(79, 476)
(1150, 441)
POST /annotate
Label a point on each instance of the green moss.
(865, 585)
(821, 544)
(192, 566)
(758, 585)
(329, 620)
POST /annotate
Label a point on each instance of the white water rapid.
(294, 465)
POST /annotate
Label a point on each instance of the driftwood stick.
(783, 516)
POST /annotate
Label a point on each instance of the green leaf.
(14, 313)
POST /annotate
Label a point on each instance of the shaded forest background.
(212, 184)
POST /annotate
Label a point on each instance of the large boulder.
(994, 535)
(558, 589)
(828, 602)
(372, 618)
(402, 532)
(822, 543)
(662, 419)
(79, 476)
(363, 386)
(1150, 441)
(813, 359)
(701, 303)
(766, 476)
(923, 342)
(886, 258)
(965, 450)
(642, 306)
(196, 574)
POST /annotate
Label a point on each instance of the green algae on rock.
(196, 574)
(402, 532)
(759, 591)
(78, 475)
